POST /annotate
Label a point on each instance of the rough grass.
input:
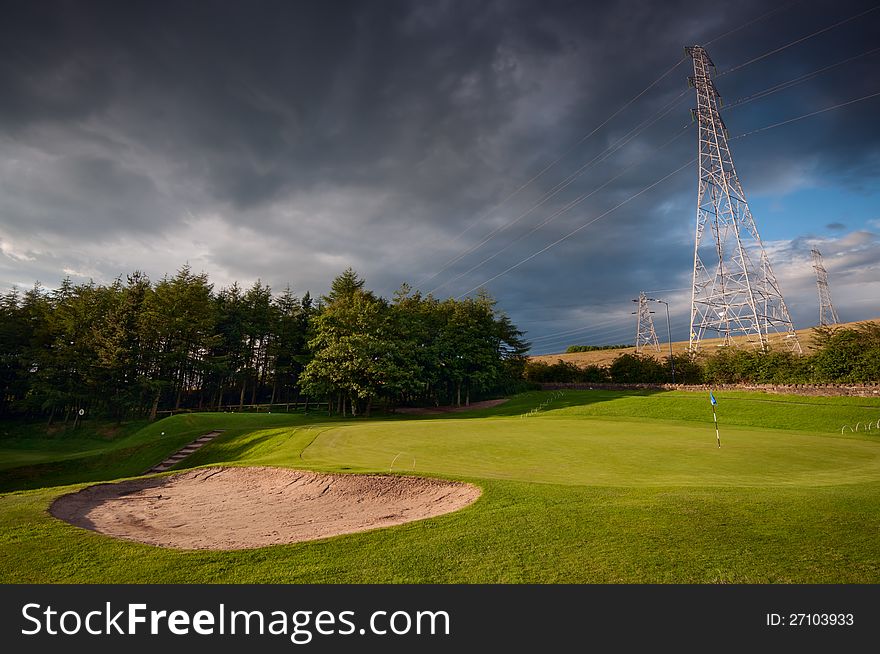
(595, 488)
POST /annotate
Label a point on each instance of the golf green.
(580, 487)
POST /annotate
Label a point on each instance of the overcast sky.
(286, 141)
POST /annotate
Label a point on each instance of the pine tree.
(344, 287)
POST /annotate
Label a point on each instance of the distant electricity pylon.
(733, 296)
(645, 334)
(827, 314)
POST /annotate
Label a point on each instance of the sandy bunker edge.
(232, 507)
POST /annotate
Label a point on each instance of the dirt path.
(235, 508)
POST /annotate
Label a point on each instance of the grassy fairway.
(595, 487)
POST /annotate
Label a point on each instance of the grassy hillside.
(594, 487)
(709, 345)
(32, 458)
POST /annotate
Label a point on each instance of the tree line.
(840, 355)
(135, 347)
(595, 348)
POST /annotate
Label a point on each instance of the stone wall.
(855, 390)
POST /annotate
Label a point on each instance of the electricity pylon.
(827, 314)
(735, 292)
(645, 334)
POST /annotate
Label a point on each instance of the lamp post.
(669, 335)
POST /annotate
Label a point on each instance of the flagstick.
(714, 415)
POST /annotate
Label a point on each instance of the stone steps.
(184, 452)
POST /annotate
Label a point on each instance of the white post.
(714, 415)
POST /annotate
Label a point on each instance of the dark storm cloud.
(287, 140)
(280, 95)
(78, 196)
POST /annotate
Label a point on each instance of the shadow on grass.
(74, 508)
(225, 448)
(545, 400)
(103, 466)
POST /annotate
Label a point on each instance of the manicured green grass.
(596, 452)
(25, 463)
(596, 487)
(28, 443)
(824, 415)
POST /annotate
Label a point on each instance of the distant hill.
(605, 357)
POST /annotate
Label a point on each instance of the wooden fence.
(277, 407)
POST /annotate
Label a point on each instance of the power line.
(751, 22)
(602, 156)
(567, 332)
(610, 326)
(620, 333)
(575, 231)
(785, 122)
(667, 290)
(796, 41)
(813, 113)
(559, 187)
(762, 94)
(797, 80)
(565, 209)
(549, 340)
(624, 107)
(564, 154)
(544, 308)
(599, 326)
(603, 334)
(615, 334)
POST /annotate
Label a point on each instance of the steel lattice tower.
(827, 314)
(735, 292)
(645, 334)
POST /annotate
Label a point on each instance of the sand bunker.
(233, 508)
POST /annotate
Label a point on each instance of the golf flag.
(715, 417)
